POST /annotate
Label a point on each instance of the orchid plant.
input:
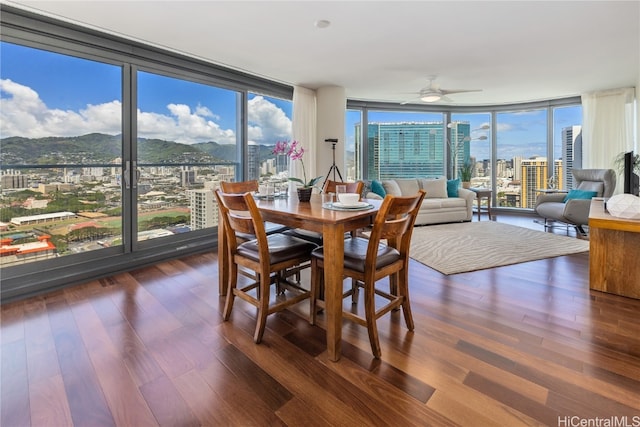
(295, 151)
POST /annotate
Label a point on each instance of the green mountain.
(102, 148)
(228, 152)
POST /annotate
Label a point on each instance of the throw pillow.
(408, 186)
(392, 187)
(435, 188)
(579, 194)
(452, 187)
(376, 187)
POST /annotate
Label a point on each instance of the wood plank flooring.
(527, 344)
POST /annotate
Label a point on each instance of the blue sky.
(74, 96)
(47, 94)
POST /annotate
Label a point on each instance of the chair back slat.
(394, 222)
(241, 215)
(240, 187)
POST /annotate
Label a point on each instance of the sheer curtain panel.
(304, 131)
(607, 127)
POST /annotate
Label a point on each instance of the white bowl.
(348, 199)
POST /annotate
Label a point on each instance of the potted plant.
(466, 171)
(295, 151)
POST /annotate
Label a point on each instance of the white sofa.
(437, 207)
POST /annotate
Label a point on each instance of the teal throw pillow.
(452, 187)
(376, 187)
(579, 194)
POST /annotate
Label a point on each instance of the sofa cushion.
(452, 187)
(392, 187)
(435, 188)
(580, 194)
(376, 187)
(447, 202)
(409, 186)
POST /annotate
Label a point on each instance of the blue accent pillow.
(579, 194)
(452, 187)
(376, 187)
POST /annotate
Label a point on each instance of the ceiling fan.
(433, 93)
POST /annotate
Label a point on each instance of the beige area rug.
(469, 246)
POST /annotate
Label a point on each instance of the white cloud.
(24, 114)
(267, 123)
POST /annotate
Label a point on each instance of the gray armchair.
(551, 206)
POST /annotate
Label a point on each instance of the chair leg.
(370, 316)
(355, 291)
(263, 307)
(233, 283)
(403, 287)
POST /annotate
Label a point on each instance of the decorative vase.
(466, 184)
(304, 194)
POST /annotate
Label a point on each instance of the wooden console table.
(614, 252)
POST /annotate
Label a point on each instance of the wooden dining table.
(332, 224)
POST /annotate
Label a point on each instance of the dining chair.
(366, 261)
(266, 255)
(352, 187)
(241, 187)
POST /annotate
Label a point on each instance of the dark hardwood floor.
(527, 344)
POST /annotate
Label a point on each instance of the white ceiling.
(384, 50)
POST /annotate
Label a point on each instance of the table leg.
(333, 240)
(479, 200)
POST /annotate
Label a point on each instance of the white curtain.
(304, 131)
(607, 127)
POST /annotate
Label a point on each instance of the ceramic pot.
(304, 194)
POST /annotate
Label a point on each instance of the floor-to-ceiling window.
(187, 143)
(111, 150)
(478, 142)
(62, 155)
(353, 153)
(521, 156)
(269, 122)
(567, 145)
(508, 146)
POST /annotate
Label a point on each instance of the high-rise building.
(571, 153)
(410, 149)
(204, 209)
(13, 181)
(253, 161)
(187, 176)
(534, 177)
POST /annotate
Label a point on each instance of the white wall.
(331, 104)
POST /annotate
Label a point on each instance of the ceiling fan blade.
(450, 91)
(409, 101)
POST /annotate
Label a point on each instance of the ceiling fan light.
(431, 97)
